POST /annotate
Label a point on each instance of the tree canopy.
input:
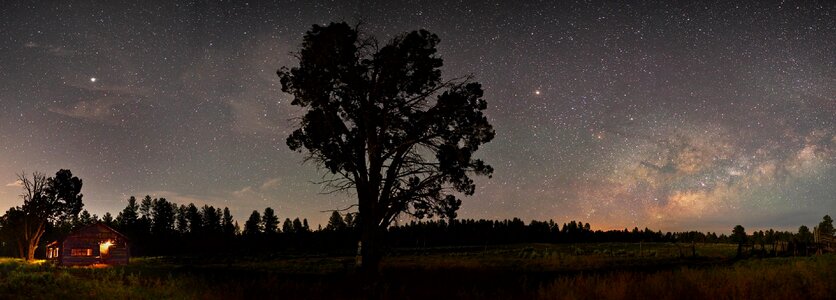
(382, 121)
(826, 225)
(46, 200)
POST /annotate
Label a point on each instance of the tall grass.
(520, 272)
(776, 278)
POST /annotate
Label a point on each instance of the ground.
(530, 271)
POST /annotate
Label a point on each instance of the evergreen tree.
(227, 223)
(349, 220)
(145, 218)
(145, 207)
(287, 226)
(335, 223)
(269, 221)
(253, 225)
(297, 226)
(182, 219)
(195, 219)
(163, 217)
(739, 236)
(211, 220)
(84, 219)
(129, 216)
(107, 219)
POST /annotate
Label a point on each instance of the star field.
(695, 115)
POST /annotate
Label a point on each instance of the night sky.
(689, 115)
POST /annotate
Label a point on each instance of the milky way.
(694, 115)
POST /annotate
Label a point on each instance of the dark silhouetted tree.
(826, 226)
(107, 219)
(195, 219)
(211, 219)
(128, 218)
(382, 121)
(182, 219)
(335, 223)
(269, 221)
(253, 225)
(287, 226)
(145, 213)
(84, 219)
(227, 223)
(163, 214)
(297, 226)
(805, 237)
(739, 236)
(52, 200)
(349, 220)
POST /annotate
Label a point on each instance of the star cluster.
(694, 115)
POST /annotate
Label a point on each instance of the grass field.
(532, 271)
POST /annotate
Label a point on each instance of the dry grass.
(602, 271)
(775, 278)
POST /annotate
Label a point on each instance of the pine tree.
(335, 223)
(253, 225)
(228, 226)
(287, 226)
(269, 221)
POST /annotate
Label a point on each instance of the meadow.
(528, 271)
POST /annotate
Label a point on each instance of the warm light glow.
(105, 247)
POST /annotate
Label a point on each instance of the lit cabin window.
(104, 247)
(81, 252)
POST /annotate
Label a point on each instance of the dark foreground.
(589, 271)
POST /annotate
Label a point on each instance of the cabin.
(93, 245)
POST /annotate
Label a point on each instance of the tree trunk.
(32, 243)
(370, 248)
(20, 249)
(30, 253)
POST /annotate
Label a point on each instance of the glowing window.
(104, 247)
(81, 252)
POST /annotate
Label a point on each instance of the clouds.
(109, 110)
(103, 102)
(50, 49)
(15, 184)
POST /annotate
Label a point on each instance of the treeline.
(156, 226)
(476, 232)
(491, 232)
